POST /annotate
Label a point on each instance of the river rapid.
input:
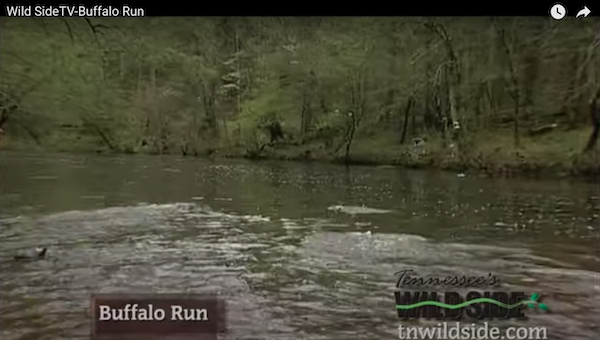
(298, 251)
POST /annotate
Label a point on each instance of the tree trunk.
(208, 99)
(409, 105)
(595, 120)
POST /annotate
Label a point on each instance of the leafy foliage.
(195, 85)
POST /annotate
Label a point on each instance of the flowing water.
(298, 251)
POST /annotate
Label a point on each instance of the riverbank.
(547, 156)
(557, 154)
(287, 89)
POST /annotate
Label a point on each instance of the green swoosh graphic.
(465, 304)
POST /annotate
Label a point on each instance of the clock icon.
(558, 11)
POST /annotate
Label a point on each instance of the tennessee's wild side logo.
(453, 305)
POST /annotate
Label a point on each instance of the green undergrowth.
(494, 154)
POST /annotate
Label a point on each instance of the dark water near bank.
(266, 237)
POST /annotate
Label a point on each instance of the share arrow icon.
(584, 12)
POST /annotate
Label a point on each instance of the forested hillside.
(496, 94)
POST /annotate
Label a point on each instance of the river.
(295, 249)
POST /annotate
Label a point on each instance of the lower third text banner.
(148, 316)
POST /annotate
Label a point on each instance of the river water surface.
(298, 251)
